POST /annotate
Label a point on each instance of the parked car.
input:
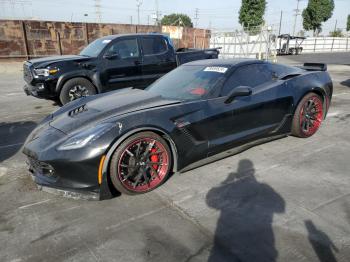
(132, 140)
(108, 63)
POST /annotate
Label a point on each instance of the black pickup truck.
(108, 63)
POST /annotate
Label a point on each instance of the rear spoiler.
(314, 67)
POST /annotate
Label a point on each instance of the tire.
(82, 86)
(130, 169)
(308, 116)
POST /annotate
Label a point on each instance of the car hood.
(46, 61)
(91, 110)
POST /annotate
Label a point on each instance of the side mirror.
(238, 91)
(111, 56)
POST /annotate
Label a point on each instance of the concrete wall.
(44, 38)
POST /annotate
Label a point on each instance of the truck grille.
(27, 73)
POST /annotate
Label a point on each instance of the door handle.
(138, 63)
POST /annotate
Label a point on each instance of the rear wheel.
(76, 88)
(140, 164)
(308, 116)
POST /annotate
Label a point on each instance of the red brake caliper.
(154, 158)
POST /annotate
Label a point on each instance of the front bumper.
(39, 91)
(71, 173)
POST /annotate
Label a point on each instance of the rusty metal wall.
(25, 39)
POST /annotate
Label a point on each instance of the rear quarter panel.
(318, 82)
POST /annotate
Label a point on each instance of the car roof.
(225, 62)
(112, 37)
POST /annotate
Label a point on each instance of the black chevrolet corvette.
(132, 140)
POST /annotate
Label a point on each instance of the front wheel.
(76, 88)
(308, 116)
(140, 164)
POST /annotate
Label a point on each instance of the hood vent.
(77, 111)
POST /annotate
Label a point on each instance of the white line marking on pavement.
(13, 94)
(3, 171)
(136, 218)
(340, 94)
(34, 204)
(17, 144)
(333, 114)
(317, 150)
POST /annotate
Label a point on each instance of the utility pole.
(131, 19)
(335, 26)
(157, 13)
(98, 11)
(279, 30)
(196, 17)
(297, 13)
(138, 4)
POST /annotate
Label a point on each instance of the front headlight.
(45, 72)
(86, 137)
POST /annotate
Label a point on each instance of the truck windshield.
(95, 48)
(188, 82)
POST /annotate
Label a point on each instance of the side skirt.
(230, 152)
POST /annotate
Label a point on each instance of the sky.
(217, 15)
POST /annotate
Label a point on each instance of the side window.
(126, 48)
(154, 45)
(249, 75)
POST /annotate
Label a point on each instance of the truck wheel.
(76, 88)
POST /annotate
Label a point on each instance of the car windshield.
(95, 48)
(188, 82)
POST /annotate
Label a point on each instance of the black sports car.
(132, 140)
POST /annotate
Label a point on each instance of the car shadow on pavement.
(13, 135)
(345, 83)
(244, 229)
(321, 243)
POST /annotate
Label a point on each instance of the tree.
(251, 15)
(336, 33)
(177, 20)
(316, 13)
(348, 24)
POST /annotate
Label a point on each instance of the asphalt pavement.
(286, 200)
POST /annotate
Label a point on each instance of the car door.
(246, 117)
(122, 64)
(158, 57)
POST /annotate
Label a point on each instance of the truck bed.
(185, 55)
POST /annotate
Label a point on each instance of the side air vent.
(77, 111)
(289, 76)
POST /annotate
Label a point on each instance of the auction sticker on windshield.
(217, 69)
